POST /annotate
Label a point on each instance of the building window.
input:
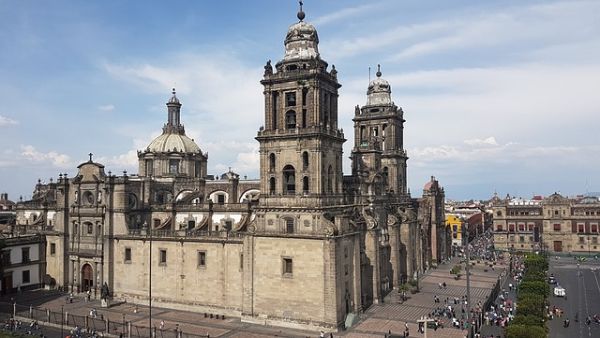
(26, 277)
(580, 227)
(594, 227)
(228, 225)
(304, 94)
(521, 227)
(272, 186)
(156, 222)
(511, 228)
(512, 238)
(5, 258)
(290, 99)
(499, 227)
(305, 160)
(288, 267)
(174, 167)
(289, 226)
(221, 199)
(202, 259)
(345, 252)
(346, 269)
(241, 261)
(498, 213)
(25, 255)
(303, 118)
(305, 184)
(594, 240)
(197, 169)
(162, 257)
(531, 238)
(149, 167)
(127, 258)
(289, 180)
(557, 227)
(521, 239)
(581, 239)
(52, 249)
(90, 228)
(272, 162)
(290, 119)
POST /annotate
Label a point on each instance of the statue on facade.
(104, 292)
(268, 68)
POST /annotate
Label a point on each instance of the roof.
(173, 143)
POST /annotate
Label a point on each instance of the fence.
(99, 325)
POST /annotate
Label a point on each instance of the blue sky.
(498, 95)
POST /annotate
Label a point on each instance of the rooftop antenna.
(369, 74)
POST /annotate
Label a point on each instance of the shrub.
(525, 331)
(535, 287)
(527, 319)
(531, 304)
(456, 269)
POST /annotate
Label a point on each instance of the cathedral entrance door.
(87, 277)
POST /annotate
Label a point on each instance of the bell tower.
(381, 122)
(300, 237)
(300, 143)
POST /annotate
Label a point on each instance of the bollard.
(30, 311)
(128, 329)
(48, 315)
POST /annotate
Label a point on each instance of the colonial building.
(22, 264)
(304, 246)
(555, 223)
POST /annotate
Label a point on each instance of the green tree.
(526, 319)
(531, 304)
(525, 331)
(536, 287)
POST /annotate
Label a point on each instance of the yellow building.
(455, 224)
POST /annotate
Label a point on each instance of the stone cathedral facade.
(304, 246)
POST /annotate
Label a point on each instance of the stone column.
(357, 293)
(96, 278)
(395, 253)
(75, 276)
(372, 252)
(72, 275)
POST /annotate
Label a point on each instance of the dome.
(379, 91)
(173, 142)
(301, 42)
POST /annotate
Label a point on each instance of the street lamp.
(150, 281)
(62, 319)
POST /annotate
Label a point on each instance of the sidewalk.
(393, 313)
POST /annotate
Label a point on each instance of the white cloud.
(222, 103)
(29, 153)
(344, 14)
(6, 121)
(479, 142)
(106, 107)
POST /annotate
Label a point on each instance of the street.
(582, 284)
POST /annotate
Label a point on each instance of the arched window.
(289, 180)
(272, 185)
(363, 137)
(290, 119)
(330, 179)
(272, 162)
(305, 184)
(305, 160)
(385, 175)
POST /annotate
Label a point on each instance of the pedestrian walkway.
(392, 315)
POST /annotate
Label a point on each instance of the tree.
(525, 331)
(531, 304)
(536, 287)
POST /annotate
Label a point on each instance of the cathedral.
(305, 246)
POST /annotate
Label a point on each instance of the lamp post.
(149, 280)
(465, 226)
(62, 319)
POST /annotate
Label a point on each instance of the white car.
(559, 291)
